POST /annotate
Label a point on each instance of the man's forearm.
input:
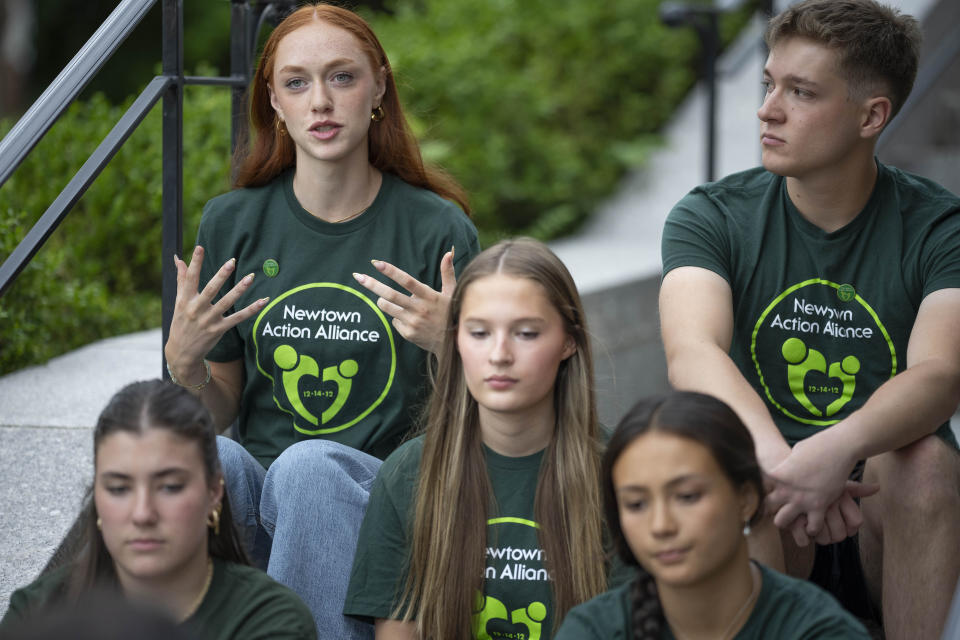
(909, 406)
(708, 369)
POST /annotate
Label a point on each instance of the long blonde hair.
(454, 491)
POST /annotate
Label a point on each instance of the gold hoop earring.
(213, 520)
(377, 114)
(281, 130)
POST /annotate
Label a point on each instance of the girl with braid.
(681, 487)
(489, 524)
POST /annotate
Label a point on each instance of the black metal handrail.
(38, 119)
(48, 108)
(704, 18)
(55, 213)
(246, 20)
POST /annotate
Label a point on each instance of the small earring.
(99, 524)
(281, 130)
(213, 520)
(746, 528)
(377, 114)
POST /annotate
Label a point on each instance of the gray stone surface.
(627, 353)
(45, 472)
(47, 414)
(70, 390)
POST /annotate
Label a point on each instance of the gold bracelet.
(193, 387)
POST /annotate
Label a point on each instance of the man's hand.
(841, 520)
(811, 495)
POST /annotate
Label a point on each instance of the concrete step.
(47, 415)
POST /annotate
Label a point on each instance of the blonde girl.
(489, 523)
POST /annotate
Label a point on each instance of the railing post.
(705, 20)
(241, 56)
(172, 162)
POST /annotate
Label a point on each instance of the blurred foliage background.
(538, 107)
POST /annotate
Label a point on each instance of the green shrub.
(98, 275)
(537, 106)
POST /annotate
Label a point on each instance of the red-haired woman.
(281, 337)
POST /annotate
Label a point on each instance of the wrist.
(838, 442)
(195, 377)
(772, 452)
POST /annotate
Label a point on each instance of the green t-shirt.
(518, 602)
(820, 319)
(321, 360)
(242, 603)
(786, 609)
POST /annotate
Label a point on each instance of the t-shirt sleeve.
(32, 599)
(230, 346)
(17, 611)
(940, 261)
(381, 560)
(695, 235)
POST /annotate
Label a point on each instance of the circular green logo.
(809, 351)
(270, 267)
(329, 352)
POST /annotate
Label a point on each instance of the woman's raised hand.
(198, 323)
(421, 316)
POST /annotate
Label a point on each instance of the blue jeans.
(301, 519)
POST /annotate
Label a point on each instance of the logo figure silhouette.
(296, 366)
(532, 617)
(801, 360)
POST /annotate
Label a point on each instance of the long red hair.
(391, 144)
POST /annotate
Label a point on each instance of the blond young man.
(819, 296)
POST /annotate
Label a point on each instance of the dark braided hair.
(686, 414)
(647, 615)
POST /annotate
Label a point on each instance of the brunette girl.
(322, 382)
(158, 527)
(681, 487)
(489, 523)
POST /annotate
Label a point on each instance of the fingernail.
(175, 258)
(231, 264)
(263, 301)
(377, 263)
(359, 277)
(247, 279)
(452, 251)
